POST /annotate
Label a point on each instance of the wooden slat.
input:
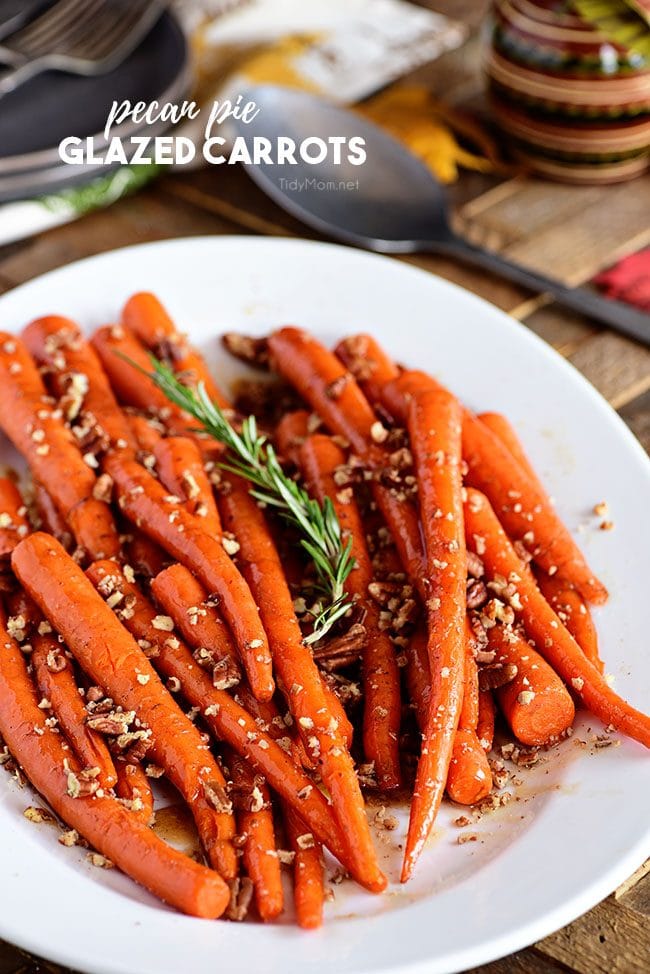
(562, 329)
(523, 962)
(575, 248)
(610, 939)
(616, 366)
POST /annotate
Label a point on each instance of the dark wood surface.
(566, 232)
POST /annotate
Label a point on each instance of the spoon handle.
(619, 316)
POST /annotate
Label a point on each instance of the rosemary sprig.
(250, 456)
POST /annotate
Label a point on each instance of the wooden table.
(566, 232)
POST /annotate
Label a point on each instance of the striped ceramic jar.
(574, 105)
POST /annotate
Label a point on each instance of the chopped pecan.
(253, 351)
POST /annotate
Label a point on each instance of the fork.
(79, 36)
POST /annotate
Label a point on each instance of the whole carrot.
(291, 432)
(373, 369)
(501, 426)
(573, 612)
(112, 658)
(319, 459)
(469, 779)
(77, 379)
(57, 685)
(35, 427)
(524, 510)
(144, 555)
(144, 315)
(184, 599)
(179, 464)
(147, 431)
(552, 639)
(536, 704)
(486, 719)
(103, 821)
(226, 718)
(252, 803)
(434, 425)
(14, 523)
(308, 873)
(145, 502)
(134, 788)
(51, 519)
(297, 671)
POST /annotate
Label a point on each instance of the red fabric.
(629, 280)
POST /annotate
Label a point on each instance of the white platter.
(580, 824)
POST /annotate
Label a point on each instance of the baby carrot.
(134, 788)
(536, 704)
(552, 639)
(308, 874)
(144, 555)
(469, 778)
(179, 465)
(296, 669)
(147, 431)
(57, 684)
(14, 523)
(145, 316)
(291, 432)
(77, 379)
(319, 458)
(35, 427)
(145, 502)
(184, 599)
(373, 369)
(434, 425)
(113, 659)
(486, 718)
(524, 510)
(51, 519)
(255, 824)
(501, 426)
(573, 612)
(226, 718)
(103, 821)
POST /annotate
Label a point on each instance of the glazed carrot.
(364, 357)
(308, 874)
(57, 684)
(179, 465)
(524, 510)
(291, 432)
(144, 315)
(434, 425)
(319, 458)
(113, 659)
(469, 778)
(77, 379)
(113, 345)
(536, 704)
(226, 718)
(501, 426)
(337, 710)
(486, 718)
(147, 431)
(51, 519)
(35, 427)
(296, 669)
(94, 528)
(14, 523)
(197, 620)
(333, 393)
(104, 822)
(144, 555)
(552, 639)
(134, 788)
(255, 823)
(23, 611)
(145, 502)
(573, 612)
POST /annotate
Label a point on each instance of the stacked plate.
(38, 115)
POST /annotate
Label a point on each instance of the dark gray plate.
(54, 105)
